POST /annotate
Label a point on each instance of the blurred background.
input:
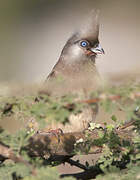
(33, 33)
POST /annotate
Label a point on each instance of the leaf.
(114, 118)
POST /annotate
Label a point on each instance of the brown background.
(34, 32)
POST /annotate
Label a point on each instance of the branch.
(50, 145)
(103, 97)
(7, 153)
(76, 163)
(62, 146)
(85, 175)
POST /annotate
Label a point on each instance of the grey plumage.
(75, 70)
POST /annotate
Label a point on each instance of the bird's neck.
(75, 66)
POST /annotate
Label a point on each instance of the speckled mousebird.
(75, 71)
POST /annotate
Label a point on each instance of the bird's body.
(75, 71)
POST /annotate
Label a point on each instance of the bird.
(75, 70)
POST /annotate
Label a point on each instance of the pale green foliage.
(132, 172)
(44, 173)
(114, 163)
(9, 170)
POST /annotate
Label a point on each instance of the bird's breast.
(76, 78)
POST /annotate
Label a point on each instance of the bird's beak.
(98, 49)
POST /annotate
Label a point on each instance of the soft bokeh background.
(32, 34)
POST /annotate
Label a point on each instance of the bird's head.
(84, 45)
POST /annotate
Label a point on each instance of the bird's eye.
(84, 43)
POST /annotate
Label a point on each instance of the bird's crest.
(90, 29)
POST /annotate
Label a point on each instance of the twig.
(7, 153)
(48, 145)
(102, 97)
(76, 163)
(127, 124)
(85, 175)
